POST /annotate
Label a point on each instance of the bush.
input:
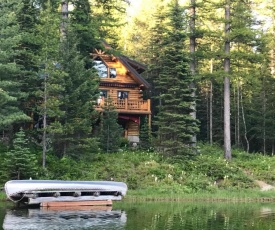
(207, 171)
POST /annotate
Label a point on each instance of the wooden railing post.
(126, 103)
(149, 105)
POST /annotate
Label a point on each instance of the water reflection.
(149, 216)
(196, 216)
(69, 218)
(267, 212)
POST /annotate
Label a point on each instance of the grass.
(152, 176)
(250, 195)
(220, 196)
(3, 196)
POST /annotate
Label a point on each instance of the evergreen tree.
(109, 16)
(245, 63)
(73, 135)
(175, 124)
(51, 76)
(209, 32)
(155, 59)
(10, 74)
(145, 138)
(20, 162)
(193, 62)
(226, 92)
(85, 26)
(28, 56)
(136, 36)
(111, 131)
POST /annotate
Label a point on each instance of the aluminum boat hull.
(38, 191)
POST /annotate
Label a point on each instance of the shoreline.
(244, 196)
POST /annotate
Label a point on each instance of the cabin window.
(112, 72)
(101, 68)
(122, 94)
(102, 96)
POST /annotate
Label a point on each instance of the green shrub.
(207, 171)
(132, 182)
(124, 143)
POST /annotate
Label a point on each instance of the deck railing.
(128, 105)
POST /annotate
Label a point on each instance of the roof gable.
(133, 67)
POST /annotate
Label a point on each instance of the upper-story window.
(122, 94)
(103, 70)
(112, 72)
(102, 96)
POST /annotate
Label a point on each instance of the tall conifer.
(20, 162)
(175, 124)
(111, 131)
(85, 27)
(51, 76)
(10, 72)
(28, 57)
(80, 90)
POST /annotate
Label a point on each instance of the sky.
(135, 5)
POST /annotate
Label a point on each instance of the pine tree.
(85, 26)
(175, 124)
(209, 18)
(10, 74)
(145, 137)
(111, 131)
(28, 56)
(20, 162)
(51, 76)
(73, 135)
(226, 92)
(155, 54)
(137, 34)
(108, 15)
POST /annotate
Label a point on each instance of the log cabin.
(121, 81)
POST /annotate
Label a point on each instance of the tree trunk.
(211, 114)
(64, 11)
(44, 138)
(227, 134)
(211, 103)
(264, 119)
(193, 60)
(272, 153)
(235, 115)
(244, 122)
(238, 115)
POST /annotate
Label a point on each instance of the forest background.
(210, 65)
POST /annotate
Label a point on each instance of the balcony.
(128, 106)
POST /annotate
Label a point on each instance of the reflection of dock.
(84, 217)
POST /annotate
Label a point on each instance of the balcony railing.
(128, 105)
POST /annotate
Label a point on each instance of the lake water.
(144, 216)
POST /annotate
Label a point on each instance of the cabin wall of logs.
(122, 86)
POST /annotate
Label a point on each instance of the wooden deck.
(129, 106)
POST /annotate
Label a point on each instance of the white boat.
(38, 191)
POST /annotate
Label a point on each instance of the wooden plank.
(77, 208)
(133, 128)
(77, 203)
